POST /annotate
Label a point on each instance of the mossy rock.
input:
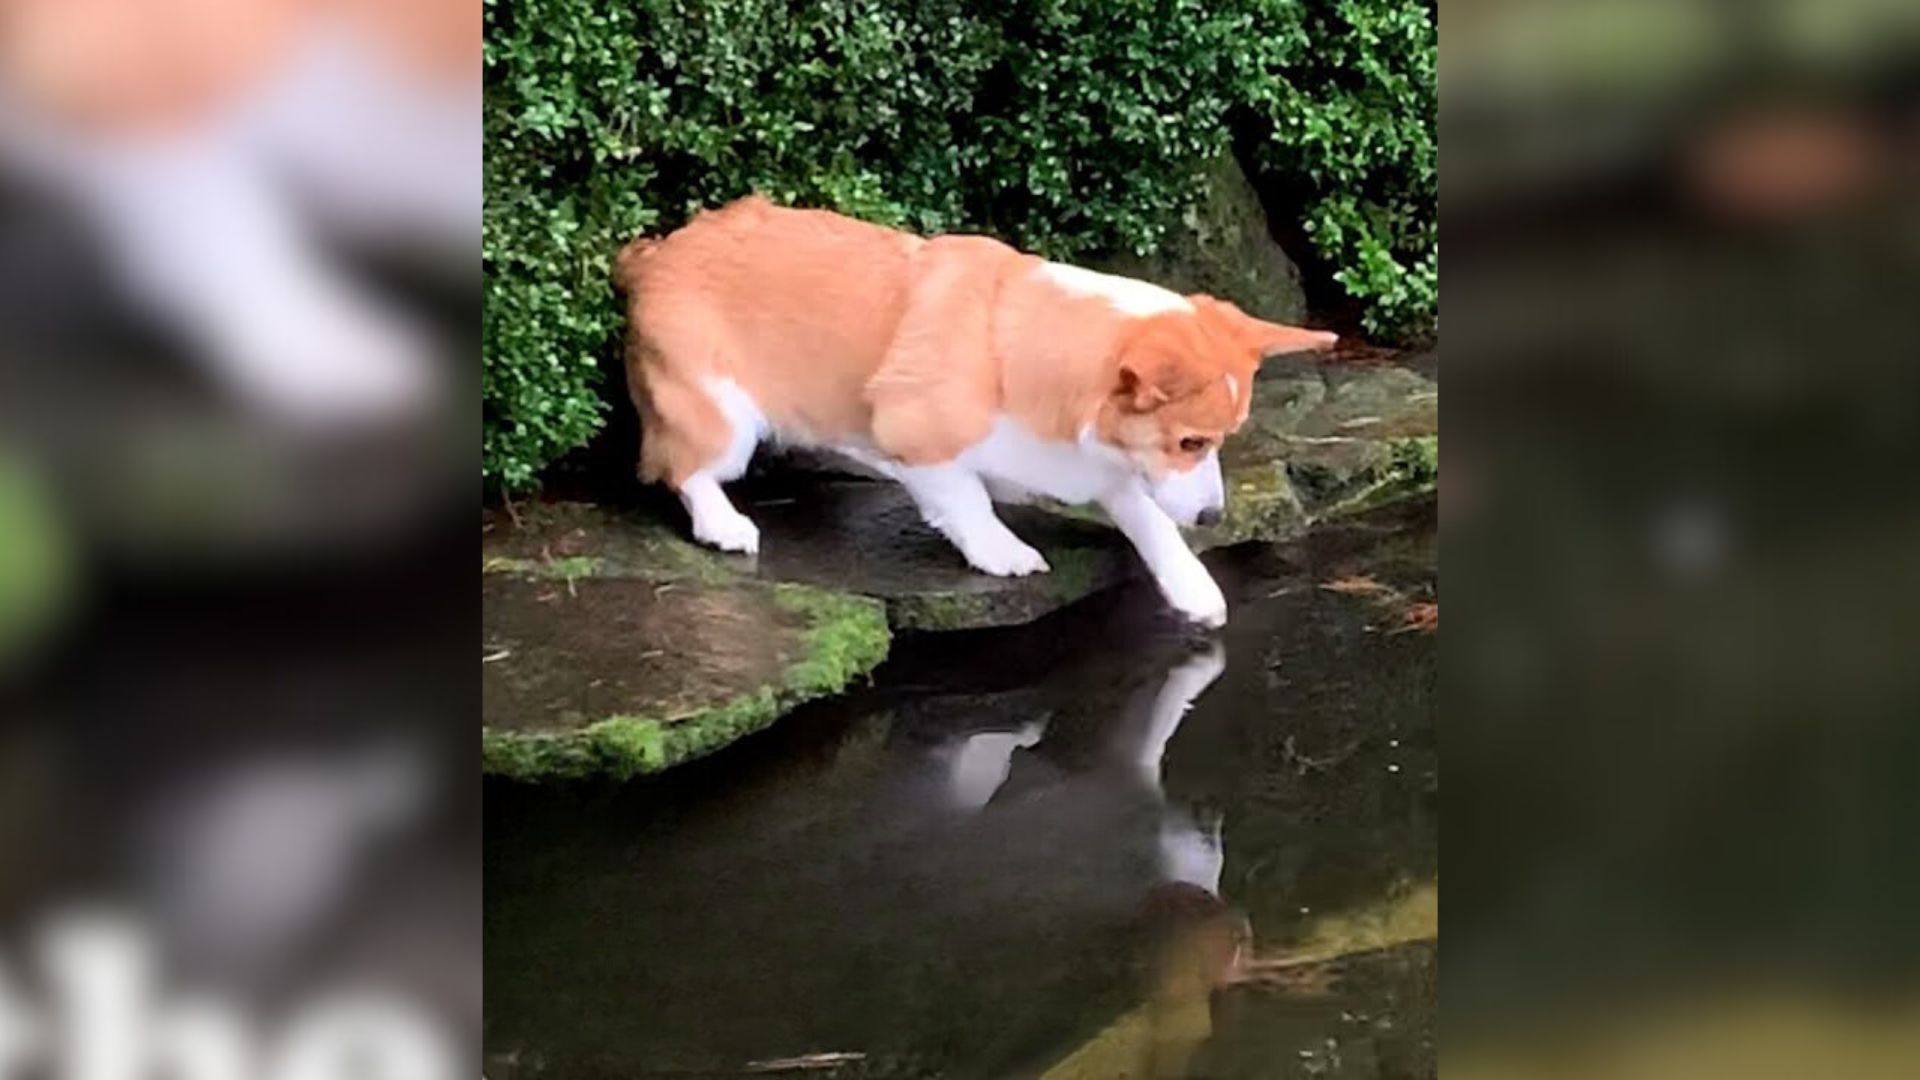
(1324, 440)
(616, 676)
(576, 540)
(1221, 247)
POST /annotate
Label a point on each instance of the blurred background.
(1680, 696)
(237, 281)
(238, 304)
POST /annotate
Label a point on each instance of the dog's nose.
(1209, 516)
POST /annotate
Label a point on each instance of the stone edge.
(846, 638)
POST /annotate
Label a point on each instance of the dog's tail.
(628, 264)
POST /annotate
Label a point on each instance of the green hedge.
(1068, 127)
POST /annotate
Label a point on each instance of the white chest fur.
(1018, 465)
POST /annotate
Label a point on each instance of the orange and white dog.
(966, 370)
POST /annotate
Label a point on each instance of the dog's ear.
(1264, 338)
(1138, 389)
(1146, 383)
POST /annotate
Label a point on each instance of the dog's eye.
(1194, 444)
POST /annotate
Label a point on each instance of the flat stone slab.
(850, 536)
(867, 537)
(586, 675)
(1325, 439)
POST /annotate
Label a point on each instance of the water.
(1098, 845)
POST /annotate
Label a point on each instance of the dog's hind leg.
(715, 520)
(695, 437)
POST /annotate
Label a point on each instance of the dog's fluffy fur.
(965, 369)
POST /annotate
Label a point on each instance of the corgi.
(968, 371)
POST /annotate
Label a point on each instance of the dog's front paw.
(735, 532)
(1198, 598)
(1010, 557)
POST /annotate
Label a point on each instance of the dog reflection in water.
(1196, 940)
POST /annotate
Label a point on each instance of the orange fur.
(796, 306)
(937, 387)
(844, 332)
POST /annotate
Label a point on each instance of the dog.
(969, 371)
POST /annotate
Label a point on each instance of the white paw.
(1006, 557)
(1198, 598)
(728, 532)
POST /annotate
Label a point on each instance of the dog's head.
(1184, 382)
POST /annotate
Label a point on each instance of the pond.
(1095, 845)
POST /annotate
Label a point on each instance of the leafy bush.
(1067, 127)
(1345, 99)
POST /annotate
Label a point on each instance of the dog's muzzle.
(1195, 497)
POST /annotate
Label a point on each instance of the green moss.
(1412, 468)
(570, 568)
(941, 611)
(1416, 460)
(711, 729)
(649, 553)
(846, 637)
(673, 557)
(573, 566)
(1261, 505)
(619, 746)
(1075, 572)
(633, 744)
(522, 756)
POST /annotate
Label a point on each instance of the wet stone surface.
(559, 653)
(868, 538)
(588, 674)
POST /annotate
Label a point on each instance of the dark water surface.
(1021, 850)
